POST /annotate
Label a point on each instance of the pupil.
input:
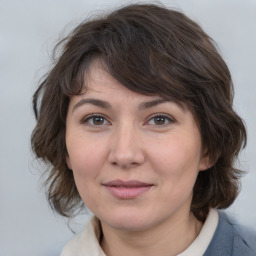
(159, 120)
(98, 120)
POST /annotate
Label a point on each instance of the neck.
(169, 238)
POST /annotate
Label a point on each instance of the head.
(151, 51)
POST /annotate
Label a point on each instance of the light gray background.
(28, 31)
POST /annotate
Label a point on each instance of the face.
(135, 158)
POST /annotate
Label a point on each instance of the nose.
(126, 147)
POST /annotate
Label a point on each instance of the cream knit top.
(86, 243)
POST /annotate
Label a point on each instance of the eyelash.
(91, 117)
(164, 116)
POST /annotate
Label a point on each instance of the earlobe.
(205, 163)
(68, 162)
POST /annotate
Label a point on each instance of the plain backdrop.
(29, 29)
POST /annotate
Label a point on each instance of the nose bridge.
(126, 149)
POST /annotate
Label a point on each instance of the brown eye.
(160, 120)
(95, 120)
(98, 120)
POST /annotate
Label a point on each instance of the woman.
(136, 120)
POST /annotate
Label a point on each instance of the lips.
(127, 189)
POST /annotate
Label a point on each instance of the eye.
(95, 120)
(160, 120)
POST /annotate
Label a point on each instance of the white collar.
(202, 241)
(91, 234)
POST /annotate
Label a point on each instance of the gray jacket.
(230, 240)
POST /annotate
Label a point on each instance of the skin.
(126, 142)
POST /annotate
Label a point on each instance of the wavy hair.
(150, 50)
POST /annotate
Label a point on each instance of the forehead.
(105, 92)
(98, 82)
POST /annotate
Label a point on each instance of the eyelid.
(88, 117)
(167, 116)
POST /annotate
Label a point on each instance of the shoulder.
(85, 243)
(73, 246)
(231, 239)
(244, 235)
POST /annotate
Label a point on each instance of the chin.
(129, 221)
(130, 226)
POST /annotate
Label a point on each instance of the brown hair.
(151, 50)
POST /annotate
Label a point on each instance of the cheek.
(176, 164)
(177, 157)
(86, 168)
(85, 159)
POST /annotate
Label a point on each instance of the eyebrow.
(153, 103)
(106, 105)
(95, 102)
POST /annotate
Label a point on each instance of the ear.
(205, 163)
(68, 162)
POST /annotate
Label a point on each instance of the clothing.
(228, 240)
(218, 237)
(201, 243)
(85, 243)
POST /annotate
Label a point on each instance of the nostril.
(125, 155)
